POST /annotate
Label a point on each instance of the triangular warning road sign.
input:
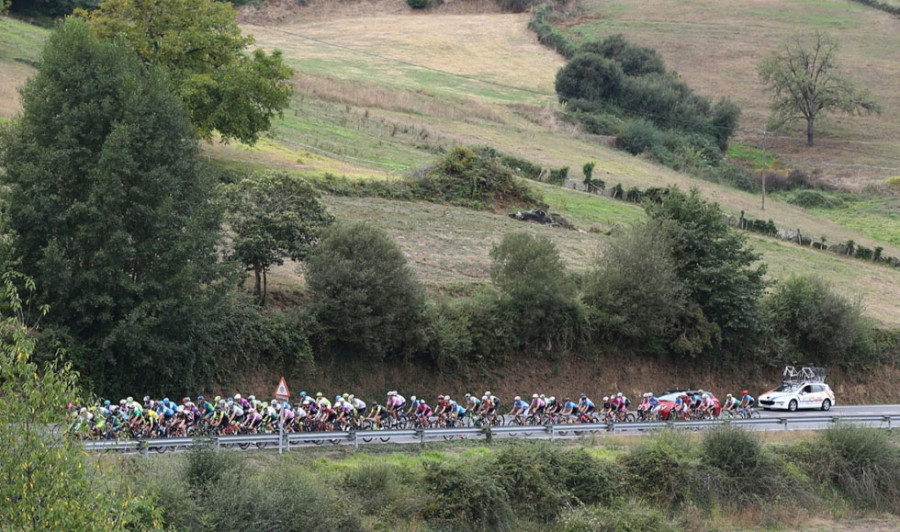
(282, 391)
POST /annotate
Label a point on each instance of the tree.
(536, 291)
(805, 81)
(45, 478)
(716, 269)
(813, 323)
(634, 291)
(589, 77)
(201, 46)
(365, 296)
(108, 210)
(273, 216)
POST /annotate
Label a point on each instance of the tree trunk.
(265, 288)
(257, 285)
(809, 131)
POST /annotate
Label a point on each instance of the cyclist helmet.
(251, 398)
(106, 403)
(440, 397)
(218, 398)
(337, 397)
(706, 396)
(180, 408)
(484, 398)
(412, 398)
(583, 394)
(199, 398)
(302, 394)
(619, 394)
(468, 395)
(374, 403)
(487, 393)
(543, 396)
(237, 397)
(534, 396)
(352, 397)
(606, 398)
(121, 401)
(517, 398)
(346, 395)
(146, 398)
(185, 400)
(567, 400)
(319, 394)
(745, 392)
(130, 399)
(728, 395)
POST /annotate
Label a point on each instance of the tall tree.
(716, 269)
(365, 296)
(107, 209)
(273, 216)
(805, 81)
(199, 42)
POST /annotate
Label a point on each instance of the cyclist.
(519, 408)
(376, 414)
(395, 402)
(253, 420)
(488, 408)
(235, 413)
(443, 405)
(707, 405)
(643, 409)
(423, 413)
(553, 407)
(494, 399)
(585, 405)
(205, 408)
(731, 404)
(747, 402)
(568, 407)
(344, 410)
(680, 408)
(453, 408)
(473, 404)
(359, 405)
(414, 403)
(538, 405)
(323, 401)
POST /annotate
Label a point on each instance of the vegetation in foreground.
(724, 478)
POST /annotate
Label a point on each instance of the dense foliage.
(273, 216)
(366, 299)
(47, 482)
(727, 479)
(198, 42)
(617, 88)
(109, 211)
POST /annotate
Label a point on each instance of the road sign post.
(282, 394)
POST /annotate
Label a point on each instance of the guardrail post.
(783, 421)
(421, 435)
(888, 419)
(552, 432)
(145, 448)
(216, 439)
(355, 440)
(610, 426)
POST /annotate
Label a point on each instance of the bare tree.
(805, 82)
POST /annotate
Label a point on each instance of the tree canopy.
(224, 89)
(366, 298)
(273, 216)
(108, 210)
(805, 81)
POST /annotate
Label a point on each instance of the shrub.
(658, 468)
(863, 463)
(638, 136)
(537, 294)
(635, 60)
(632, 516)
(365, 296)
(813, 198)
(464, 177)
(589, 77)
(467, 495)
(558, 176)
(894, 183)
(814, 323)
(382, 490)
(514, 6)
(736, 452)
(418, 4)
(449, 339)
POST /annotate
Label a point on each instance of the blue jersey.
(587, 402)
(749, 399)
(460, 410)
(654, 401)
(569, 405)
(521, 404)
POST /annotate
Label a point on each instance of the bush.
(863, 463)
(558, 176)
(537, 294)
(467, 495)
(366, 298)
(470, 179)
(418, 4)
(894, 183)
(589, 77)
(382, 490)
(658, 468)
(813, 198)
(514, 6)
(736, 452)
(632, 516)
(814, 323)
(635, 60)
(638, 136)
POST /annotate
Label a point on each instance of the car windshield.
(786, 388)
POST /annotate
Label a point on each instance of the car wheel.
(792, 406)
(826, 405)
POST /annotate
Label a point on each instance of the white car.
(791, 396)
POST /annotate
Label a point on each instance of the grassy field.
(716, 46)
(381, 95)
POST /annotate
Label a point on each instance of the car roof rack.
(798, 374)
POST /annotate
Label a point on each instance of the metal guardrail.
(356, 438)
